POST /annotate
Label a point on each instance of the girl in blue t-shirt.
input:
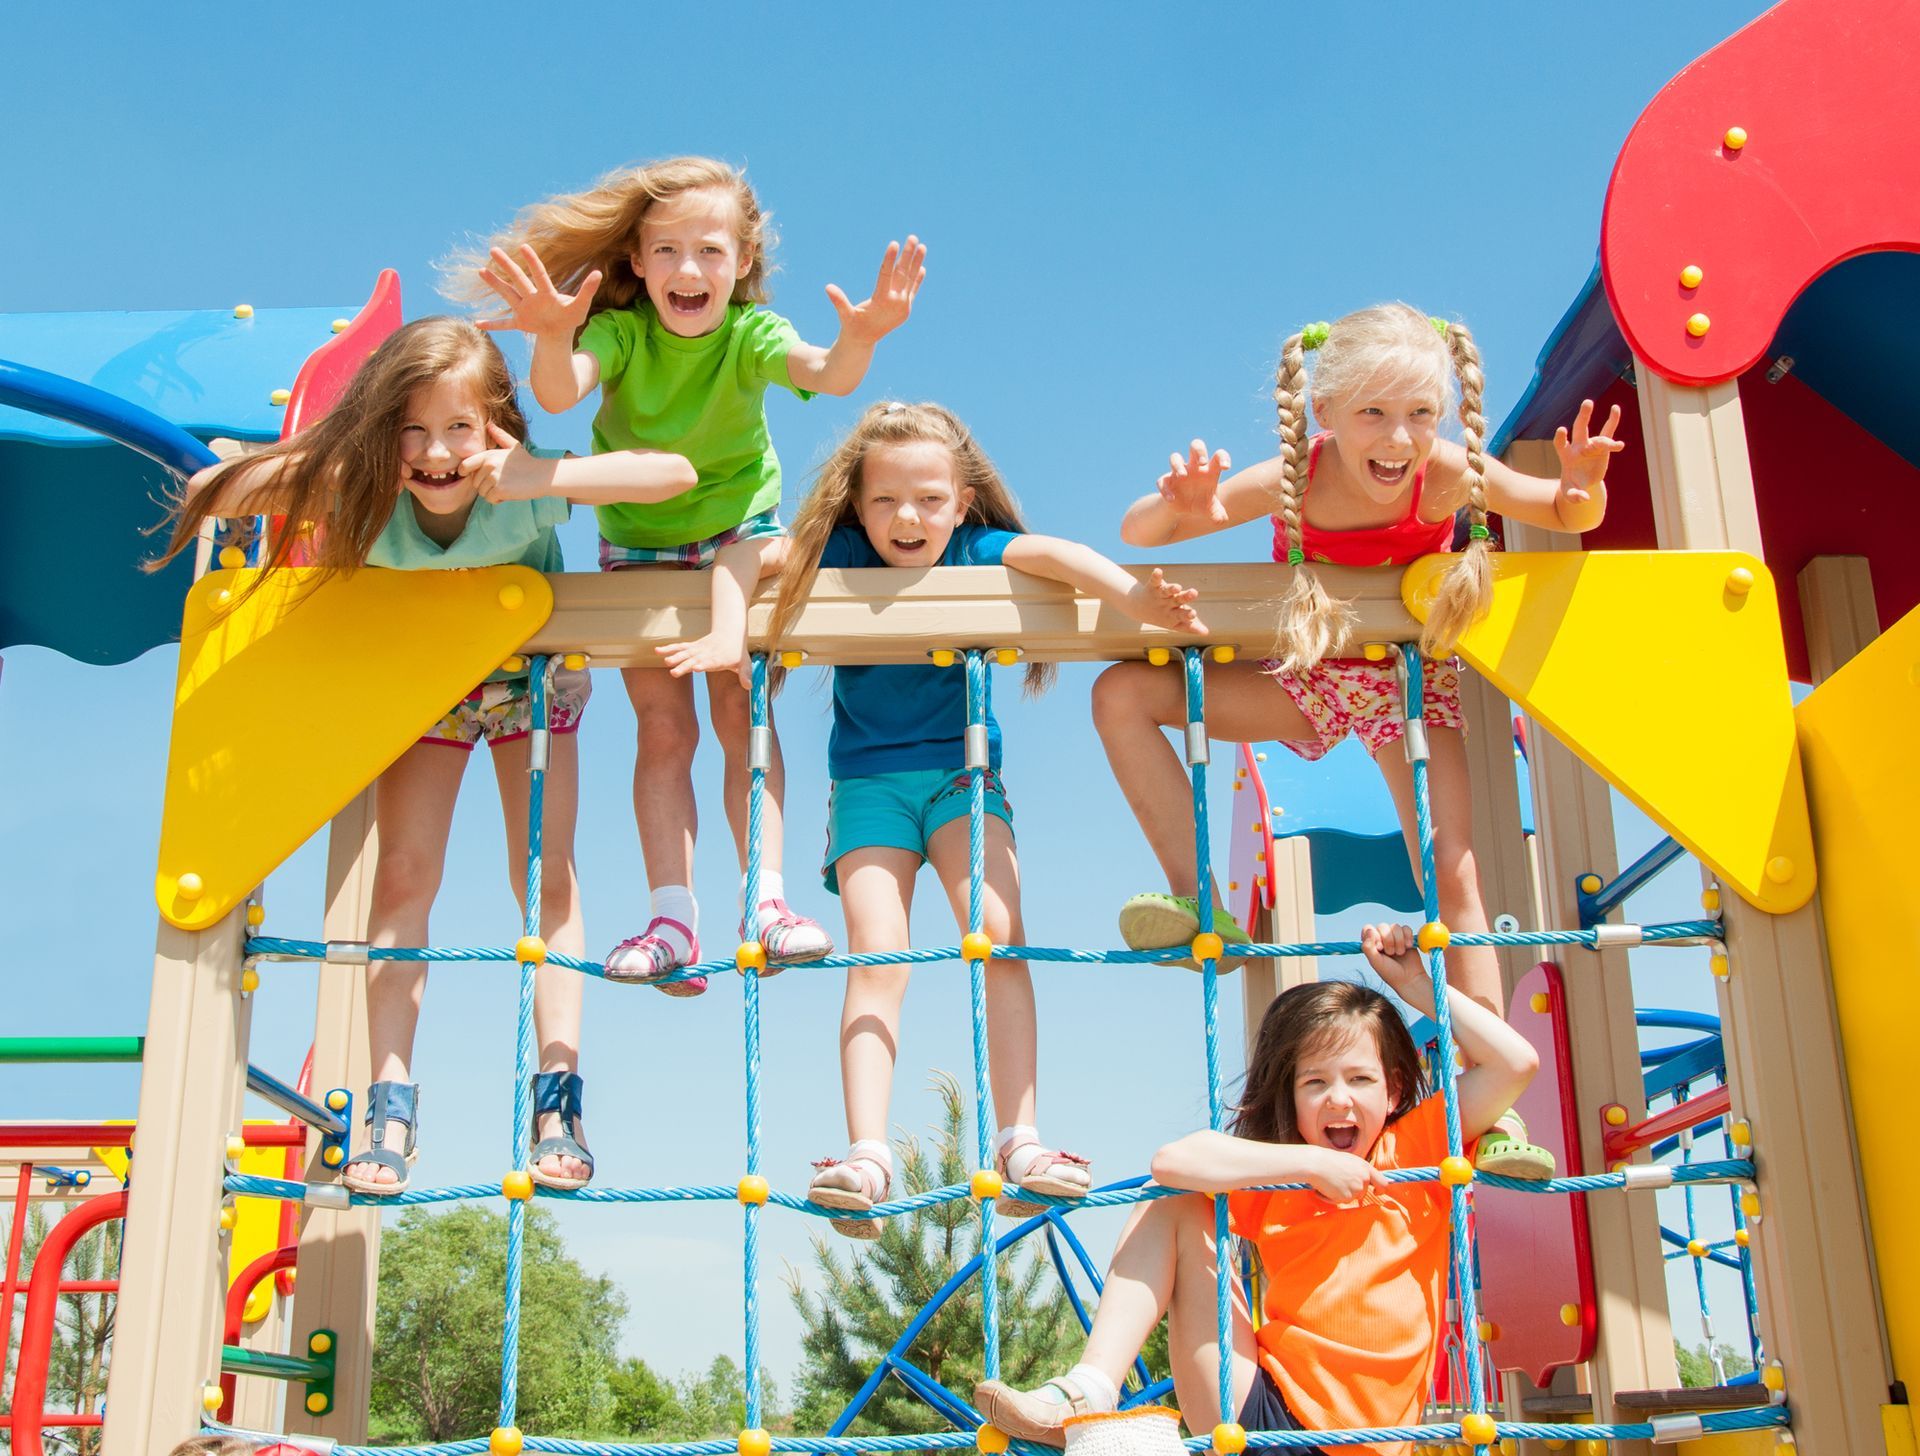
(419, 466)
(911, 488)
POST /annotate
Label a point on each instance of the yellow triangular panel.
(1664, 671)
(292, 700)
(1858, 735)
(117, 1159)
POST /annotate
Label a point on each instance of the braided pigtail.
(1308, 622)
(1466, 591)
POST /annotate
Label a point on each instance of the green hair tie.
(1478, 532)
(1296, 557)
(1440, 324)
(1314, 335)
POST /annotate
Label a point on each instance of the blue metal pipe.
(60, 398)
(289, 1101)
(1596, 907)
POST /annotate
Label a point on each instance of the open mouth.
(687, 305)
(907, 545)
(1343, 1136)
(1389, 472)
(435, 480)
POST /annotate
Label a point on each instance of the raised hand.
(1162, 603)
(1192, 486)
(537, 306)
(1340, 1177)
(1583, 457)
(1390, 950)
(508, 473)
(902, 271)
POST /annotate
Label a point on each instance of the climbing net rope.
(1476, 1427)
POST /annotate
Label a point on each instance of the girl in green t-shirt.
(661, 281)
(419, 466)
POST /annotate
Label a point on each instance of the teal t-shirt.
(510, 533)
(703, 398)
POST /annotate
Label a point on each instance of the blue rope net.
(953, 1407)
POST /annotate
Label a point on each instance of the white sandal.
(854, 1184)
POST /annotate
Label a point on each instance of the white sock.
(773, 886)
(1101, 1393)
(1017, 1134)
(676, 902)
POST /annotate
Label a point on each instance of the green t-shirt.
(510, 533)
(703, 398)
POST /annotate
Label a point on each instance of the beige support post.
(172, 1292)
(1819, 1305)
(1499, 843)
(1837, 612)
(1289, 921)
(340, 1252)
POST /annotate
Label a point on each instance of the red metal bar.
(89, 1286)
(73, 1419)
(36, 1329)
(11, 1285)
(238, 1293)
(1624, 1142)
(110, 1135)
(293, 1172)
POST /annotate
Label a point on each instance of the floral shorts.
(502, 711)
(695, 554)
(1352, 695)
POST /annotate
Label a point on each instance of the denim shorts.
(1266, 1409)
(900, 811)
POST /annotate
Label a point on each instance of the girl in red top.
(1376, 487)
(1356, 1266)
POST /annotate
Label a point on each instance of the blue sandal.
(559, 1092)
(387, 1102)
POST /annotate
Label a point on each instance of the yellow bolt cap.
(990, 1439)
(754, 1441)
(750, 956)
(249, 981)
(339, 326)
(985, 1184)
(530, 949)
(515, 663)
(1432, 936)
(1456, 1172)
(517, 1185)
(1229, 1438)
(317, 1404)
(232, 558)
(1740, 1134)
(1774, 1377)
(976, 946)
(1590, 884)
(1569, 1314)
(505, 1441)
(791, 659)
(1697, 1249)
(1223, 654)
(1691, 275)
(1375, 651)
(1739, 581)
(943, 657)
(1207, 946)
(1698, 325)
(256, 916)
(212, 1397)
(1735, 138)
(1479, 1429)
(190, 886)
(1616, 1116)
(1710, 899)
(243, 310)
(1750, 1204)
(1509, 1446)
(1159, 656)
(1779, 869)
(1489, 1331)
(1720, 966)
(1007, 656)
(574, 662)
(334, 1156)
(337, 1100)
(236, 1145)
(228, 1218)
(1620, 1167)
(1742, 1238)
(1540, 1001)
(753, 1189)
(320, 1343)
(512, 596)
(280, 396)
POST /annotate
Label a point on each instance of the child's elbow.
(1164, 1166)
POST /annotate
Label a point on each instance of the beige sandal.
(1028, 1416)
(854, 1184)
(1052, 1173)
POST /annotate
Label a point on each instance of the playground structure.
(1687, 325)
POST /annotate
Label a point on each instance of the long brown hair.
(1305, 1019)
(835, 500)
(1353, 353)
(600, 228)
(341, 474)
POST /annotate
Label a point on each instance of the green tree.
(83, 1324)
(648, 1407)
(1696, 1365)
(871, 1291)
(436, 1358)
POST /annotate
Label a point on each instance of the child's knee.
(1120, 694)
(405, 877)
(668, 734)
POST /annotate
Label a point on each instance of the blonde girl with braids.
(1376, 486)
(911, 487)
(421, 465)
(651, 287)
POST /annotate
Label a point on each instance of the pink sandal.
(853, 1184)
(789, 938)
(644, 959)
(1051, 1172)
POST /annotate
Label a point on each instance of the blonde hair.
(1382, 346)
(341, 474)
(835, 499)
(600, 228)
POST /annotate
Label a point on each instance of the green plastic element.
(72, 1048)
(237, 1361)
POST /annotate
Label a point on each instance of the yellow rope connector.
(530, 950)
(505, 1441)
(1229, 1438)
(1455, 1172)
(754, 1441)
(753, 1189)
(751, 956)
(985, 1184)
(1479, 1428)
(1433, 936)
(517, 1185)
(1207, 946)
(976, 946)
(990, 1440)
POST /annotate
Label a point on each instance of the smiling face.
(690, 256)
(1341, 1094)
(446, 422)
(1383, 437)
(910, 503)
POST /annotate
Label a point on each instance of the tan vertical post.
(1290, 921)
(1499, 845)
(340, 1252)
(172, 1299)
(1819, 1306)
(1837, 612)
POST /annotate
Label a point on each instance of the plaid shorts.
(695, 554)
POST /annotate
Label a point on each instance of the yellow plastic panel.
(1664, 672)
(1896, 1422)
(117, 1159)
(1859, 732)
(256, 1226)
(292, 701)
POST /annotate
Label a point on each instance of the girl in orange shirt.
(1356, 1266)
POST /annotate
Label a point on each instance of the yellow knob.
(249, 981)
(1229, 1438)
(334, 1156)
(791, 659)
(236, 1147)
(943, 657)
(530, 950)
(1223, 654)
(1007, 656)
(1375, 651)
(751, 956)
(339, 326)
(1691, 275)
(1432, 936)
(755, 1442)
(1697, 1249)
(280, 396)
(574, 662)
(505, 1441)
(1569, 1314)
(1540, 1001)
(985, 1184)
(1739, 581)
(1489, 1332)
(320, 1343)
(1455, 1172)
(517, 1185)
(337, 1100)
(990, 1439)
(1735, 138)
(190, 886)
(976, 946)
(515, 663)
(1774, 1377)
(1478, 1428)
(1750, 1204)
(1616, 1116)
(512, 596)
(1779, 869)
(228, 1217)
(753, 1189)
(256, 916)
(212, 1397)
(1207, 946)
(1720, 966)
(243, 310)
(232, 558)
(1742, 1238)
(1159, 656)
(1590, 884)
(1710, 899)
(1698, 324)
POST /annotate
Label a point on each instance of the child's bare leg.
(1193, 1323)
(876, 888)
(1133, 702)
(557, 993)
(738, 569)
(414, 815)
(663, 804)
(1475, 970)
(731, 711)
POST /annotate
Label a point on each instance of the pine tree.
(872, 1291)
(83, 1324)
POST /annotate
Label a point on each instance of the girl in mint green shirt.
(419, 467)
(662, 282)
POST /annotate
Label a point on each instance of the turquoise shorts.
(900, 811)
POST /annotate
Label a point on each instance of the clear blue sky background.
(1127, 209)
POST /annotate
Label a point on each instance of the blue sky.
(1125, 212)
